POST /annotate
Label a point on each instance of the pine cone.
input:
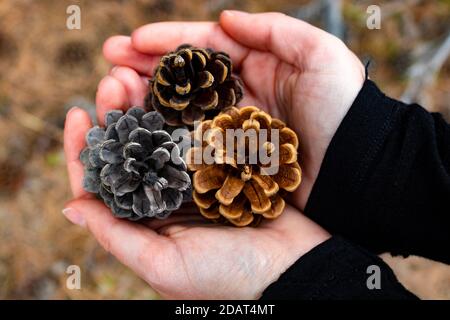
(134, 166)
(235, 186)
(192, 84)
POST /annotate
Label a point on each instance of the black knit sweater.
(384, 185)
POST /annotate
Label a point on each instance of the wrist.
(303, 238)
(296, 238)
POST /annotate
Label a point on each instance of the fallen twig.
(424, 71)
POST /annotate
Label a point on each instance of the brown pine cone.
(236, 184)
(192, 84)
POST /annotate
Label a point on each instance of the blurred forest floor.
(45, 69)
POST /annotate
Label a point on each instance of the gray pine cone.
(134, 165)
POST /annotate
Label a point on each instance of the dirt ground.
(46, 68)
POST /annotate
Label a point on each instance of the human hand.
(298, 73)
(184, 256)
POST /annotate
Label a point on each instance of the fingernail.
(113, 69)
(104, 80)
(235, 13)
(145, 80)
(72, 109)
(74, 216)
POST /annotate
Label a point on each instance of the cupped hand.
(297, 73)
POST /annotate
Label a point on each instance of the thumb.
(288, 38)
(131, 243)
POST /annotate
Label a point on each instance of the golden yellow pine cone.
(235, 187)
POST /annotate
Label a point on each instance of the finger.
(133, 244)
(249, 100)
(261, 89)
(77, 124)
(156, 224)
(119, 51)
(286, 37)
(159, 38)
(111, 94)
(187, 208)
(134, 84)
(171, 230)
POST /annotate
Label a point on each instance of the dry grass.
(46, 68)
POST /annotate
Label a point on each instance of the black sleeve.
(385, 179)
(337, 269)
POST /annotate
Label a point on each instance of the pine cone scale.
(206, 100)
(94, 136)
(231, 187)
(269, 186)
(205, 79)
(235, 209)
(287, 136)
(204, 200)
(210, 213)
(244, 220)
(259, 202)
(276, 209)
(212, 177)
(288, 177)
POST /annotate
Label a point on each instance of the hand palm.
(212, 261)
